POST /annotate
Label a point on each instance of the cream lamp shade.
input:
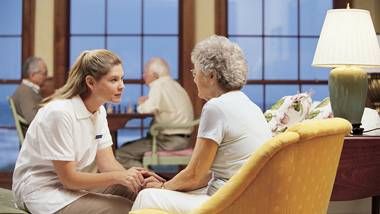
(348, 42)
(347, 38)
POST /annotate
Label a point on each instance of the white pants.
(170, 201)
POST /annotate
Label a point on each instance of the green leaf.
(324, 102)
(268, 116)
(278, 104)
(296, 105)
(283, 129)
(313, 114)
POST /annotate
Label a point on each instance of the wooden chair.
(177, 157)
(294, 172)
(20, 122)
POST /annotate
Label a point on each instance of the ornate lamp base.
(348, 92)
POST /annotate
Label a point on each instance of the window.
(10, 76)
(135, 30)
(279, 39)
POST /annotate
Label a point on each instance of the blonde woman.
(68, 133)
(231, 128)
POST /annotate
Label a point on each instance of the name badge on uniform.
(98, 136)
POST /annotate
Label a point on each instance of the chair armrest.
(22, 120)
(158, 127)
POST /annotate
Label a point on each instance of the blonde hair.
(95, 63)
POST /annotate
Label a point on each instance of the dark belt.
(178, 135)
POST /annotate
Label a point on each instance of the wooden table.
(358, 174)
(117, 121)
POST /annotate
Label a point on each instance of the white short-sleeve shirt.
(170, 103)
(62, 130)
(239, 128)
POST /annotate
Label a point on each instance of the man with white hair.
(169, 103)
(27, 96)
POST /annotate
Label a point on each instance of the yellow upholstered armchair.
(293, 172)
(178, 157)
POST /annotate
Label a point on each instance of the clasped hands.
(137, 178)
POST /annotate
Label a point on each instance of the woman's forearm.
(87, 181)
(73, 179)
(111, 165)
(183, 181)
(197, 172)
(106, 162)
(187, 181)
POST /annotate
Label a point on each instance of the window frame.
(185, 37)
(27, 36)
(62, 37)
(221, 28)
(27, 42)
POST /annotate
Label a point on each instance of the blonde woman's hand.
(130, 178)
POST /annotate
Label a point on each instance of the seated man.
(169, 103)
(27, 96)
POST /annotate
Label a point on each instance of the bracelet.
(163, 185)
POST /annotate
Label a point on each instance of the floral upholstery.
(288, 111)
(321, 111)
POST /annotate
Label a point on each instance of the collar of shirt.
(34, 87)
(81, 111)
(159, 80)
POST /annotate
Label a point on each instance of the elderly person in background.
(231, 128)
(170, 104)
(27, 96)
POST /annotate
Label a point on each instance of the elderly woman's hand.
(152, 182)
(146, 174)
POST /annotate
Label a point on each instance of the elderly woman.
(231, 128)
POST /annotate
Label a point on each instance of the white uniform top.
(239, 128)
(170, 104)
(62, 130)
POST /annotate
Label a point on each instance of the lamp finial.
(348, 5)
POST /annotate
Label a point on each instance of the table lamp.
(347, 43)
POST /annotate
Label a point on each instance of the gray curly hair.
(219, 55)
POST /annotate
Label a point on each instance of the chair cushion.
(183, 152)
(7, 203)
(288, 111)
